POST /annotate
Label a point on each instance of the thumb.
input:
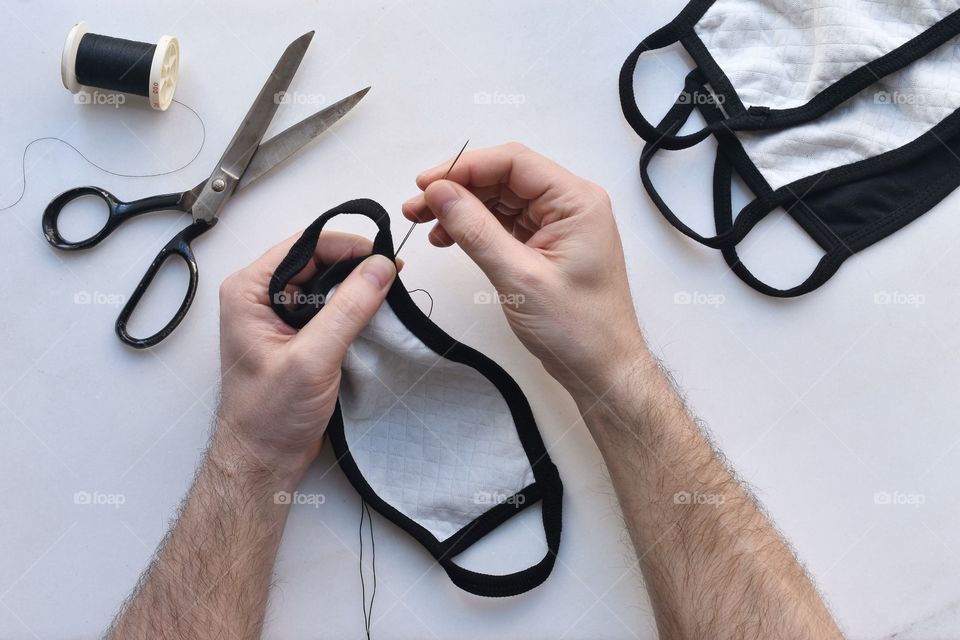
(471, 225)
(329, 333)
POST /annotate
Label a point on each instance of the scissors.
(244, 161)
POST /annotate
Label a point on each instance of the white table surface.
(819, 403)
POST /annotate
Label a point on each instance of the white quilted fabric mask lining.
(783, 53)
(432, 437)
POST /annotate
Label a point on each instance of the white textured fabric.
(781, 53)
(897, 110)
(435, 439)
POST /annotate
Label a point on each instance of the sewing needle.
(449, 169)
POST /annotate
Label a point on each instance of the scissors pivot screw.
(219, 185)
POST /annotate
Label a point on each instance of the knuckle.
(229, 287)
(516, 147)
(601, 195)
(594, 198)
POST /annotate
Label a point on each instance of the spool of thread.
(115, 64)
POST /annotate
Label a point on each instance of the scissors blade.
(243, 146)
(258, 118)
(285, 144)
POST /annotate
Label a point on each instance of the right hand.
(549, 244)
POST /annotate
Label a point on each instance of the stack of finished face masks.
(842, 112)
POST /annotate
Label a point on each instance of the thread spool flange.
(68, 60)
(164, 72)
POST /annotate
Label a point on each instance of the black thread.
(23, 158)
(367, 612)
(114, 64)
(429, 313)
(365, 512)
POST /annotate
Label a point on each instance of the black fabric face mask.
(432, 434)
(854, 142)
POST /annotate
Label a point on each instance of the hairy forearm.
(713, 563)
(211, 574)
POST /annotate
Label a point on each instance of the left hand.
(279, 385)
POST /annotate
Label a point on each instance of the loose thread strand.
(23, 159)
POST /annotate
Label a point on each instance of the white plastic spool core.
(164, 72)
(164, 69)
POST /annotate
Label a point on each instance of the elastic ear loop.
(664, 138)
(677, 116)
(511, 584)
(723, 216)
(304, 248)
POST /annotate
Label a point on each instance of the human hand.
(549, 244)
(279, 385)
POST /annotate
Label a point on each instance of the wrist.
(633, 390)
(613, 372)
(237, 455)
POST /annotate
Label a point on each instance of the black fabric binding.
(844, 209)
(547, 487)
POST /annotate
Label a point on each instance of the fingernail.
(410, 207)
(443, 196)
(378, 270)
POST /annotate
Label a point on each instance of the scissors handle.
(118, 213)
(179, 246)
